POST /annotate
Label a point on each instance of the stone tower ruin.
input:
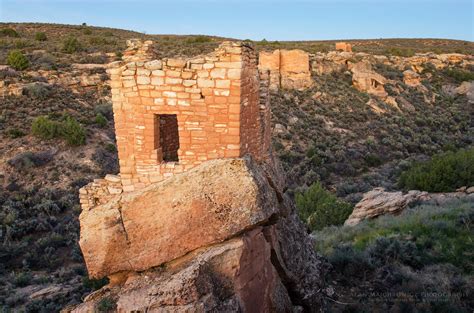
(197, 220)
(174, 114)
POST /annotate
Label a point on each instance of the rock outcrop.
(466, 88)
(411, 78)
(379, 202)
(221, 237)
(330, 62)
(82, 77)
(367, 80)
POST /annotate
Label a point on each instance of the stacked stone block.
(100, 191)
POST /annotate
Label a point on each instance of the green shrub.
(44, 128)
(460, 75)
(443, 173)
(23, 279)
(105, 109)
(372, 160)
(17, 60)
(87, 31)
(22, 43)
(100, 120)
(70, 130)
(71, 45)
(73, 132)
(319, 208)
(15, 133)
(9, 32)
(41, 36)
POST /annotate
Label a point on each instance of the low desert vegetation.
(41, 36)
(100, 120)
(71, 45)
(319, 208)
(420, 260)
(328, 139)
(9, 32)
(17, 60)
(443, 173)
(68, 129)
(460, 75)
(400, 52)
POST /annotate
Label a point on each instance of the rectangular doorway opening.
(168, 136)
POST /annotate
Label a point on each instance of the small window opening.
(375, 83)
(167, 136)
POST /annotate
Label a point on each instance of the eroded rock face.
(221, 237)
(233, 276)
(367, 80)
(380, 202)
(411, 78)
(260, 271)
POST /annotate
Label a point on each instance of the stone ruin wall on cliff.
(218, 101)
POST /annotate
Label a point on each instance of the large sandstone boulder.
(411, 78)
(451, 58)
(271, 268)
(467, 89)
(221, 237)
(327, 63)
(380, 202)
(230, 277)
(295, 73)
(136, 231)
(367, 80)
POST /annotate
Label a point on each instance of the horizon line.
(224, 37)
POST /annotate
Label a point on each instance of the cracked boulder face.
(136, 231)
(221, 237)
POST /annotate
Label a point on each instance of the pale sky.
(272, 20)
